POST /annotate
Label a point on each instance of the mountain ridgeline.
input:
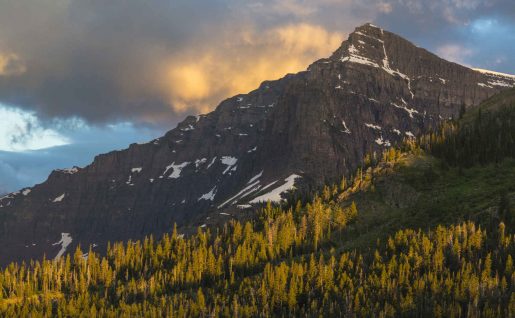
(302, 131)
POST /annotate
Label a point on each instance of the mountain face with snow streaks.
(304, 129)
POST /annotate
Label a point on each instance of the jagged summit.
(302, 130)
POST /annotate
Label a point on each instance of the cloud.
(154, 61)
(455, 53)
(20, 169)
(23, 131)
(198, 77)
(11, 65)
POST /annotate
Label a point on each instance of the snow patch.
(199, 162)
(397, 131)
(209, 196)
(252, 150)
(190, 127)
(66, 240)
(68, 170)
(275, 195)
(347, 131)
(373, 126)
(410, 134)
(129, 182)
(381, 142)
(136, 170)
(229, 162)
(176, 169)
(59, 198)
(26, 191)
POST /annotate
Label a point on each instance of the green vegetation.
(415, 233)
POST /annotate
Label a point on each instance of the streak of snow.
(501, 83)
(373, 126)
(368, 36)
(59, 198)
(209, 196)
(404, 107)
(137, 170)
(275, 195)
(243, 193)
(65, 241)
(347, 131)
(211, 163)
(484, 85)
(129, 182)
(254, 178)
(410, 134)
(26, 191)
(252, 150)
(243, 206)
(397, 131)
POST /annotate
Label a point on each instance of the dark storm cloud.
(96, 59)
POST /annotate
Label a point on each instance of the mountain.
(299, 131)
(415, 233)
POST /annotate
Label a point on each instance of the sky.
(83, 77)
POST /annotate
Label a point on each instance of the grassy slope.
(403, 196)
(421, 192)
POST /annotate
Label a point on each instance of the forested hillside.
(422, 231)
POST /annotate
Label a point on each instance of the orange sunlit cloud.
(10, 64)
(199, 79)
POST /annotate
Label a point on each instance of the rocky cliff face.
(307, 128)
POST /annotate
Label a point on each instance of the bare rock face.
(307, 128)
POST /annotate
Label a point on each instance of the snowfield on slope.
(275, 194)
